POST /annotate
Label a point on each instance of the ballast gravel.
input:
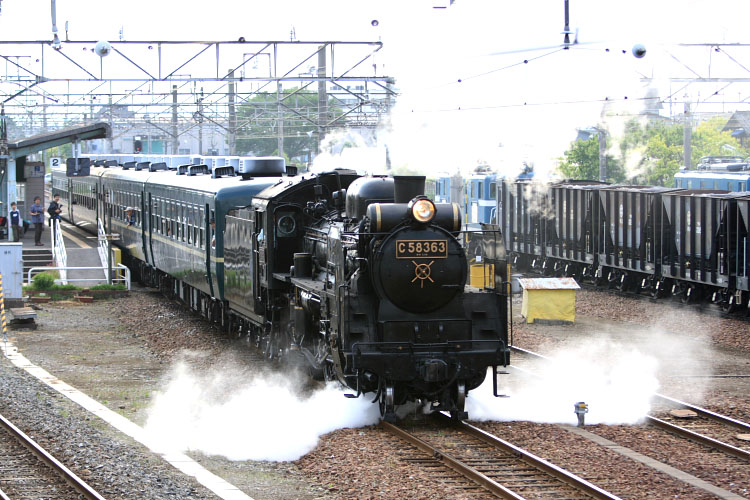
(151, 332)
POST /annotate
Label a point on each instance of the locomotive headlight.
(423, 210)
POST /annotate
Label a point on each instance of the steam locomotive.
(359, 279)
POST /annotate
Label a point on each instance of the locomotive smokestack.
(407, 187)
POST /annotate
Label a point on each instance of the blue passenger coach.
(704, 179)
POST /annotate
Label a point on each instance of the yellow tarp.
(559, 305)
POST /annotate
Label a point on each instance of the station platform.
(81, 249)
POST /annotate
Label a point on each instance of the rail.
(80, 486)
(119, 267)
(539, 463)
(59, 253)
(504, 448)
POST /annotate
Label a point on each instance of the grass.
(45, 281)
(107, 286)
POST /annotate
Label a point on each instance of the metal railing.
(59, 253)
(105, 252)
(123, 274)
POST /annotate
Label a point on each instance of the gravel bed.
(713, 466)
(611, 471)
(724, 330)
(368, 463)
(118, 468)
(121, 351)
(153, 331)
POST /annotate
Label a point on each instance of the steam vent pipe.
(407, 187)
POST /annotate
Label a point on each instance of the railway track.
(698, 424)
(28, 471)
(704, 426)
(495, 465)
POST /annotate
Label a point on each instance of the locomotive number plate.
(422, 249)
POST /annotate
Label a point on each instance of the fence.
(59, 253)
(123, 273)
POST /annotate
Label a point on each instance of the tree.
(581, 161)
(258, 121)
(658, 148)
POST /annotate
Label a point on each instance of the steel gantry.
(195, 89)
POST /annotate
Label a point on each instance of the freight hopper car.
(688, 243)
(705, 254)
(550, 228)
(359, 279)
(631, 232)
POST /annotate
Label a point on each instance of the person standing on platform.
(37, 217)
(15, 221)
(54, 210)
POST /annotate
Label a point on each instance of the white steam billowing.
(245, 416)
(615, 379)
(249, 416)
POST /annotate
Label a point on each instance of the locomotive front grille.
(408, 361)
(425, 332)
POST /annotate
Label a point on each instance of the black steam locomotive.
(360, 279)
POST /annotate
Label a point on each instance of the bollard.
(581, 409)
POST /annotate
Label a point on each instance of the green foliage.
(581, 161)
(43, 281)
(64, 151)
(258, 120)
(661, 147)
(107, 286)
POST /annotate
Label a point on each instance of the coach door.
(150, 240)
(258, 257)
(209, 247)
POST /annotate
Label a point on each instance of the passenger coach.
(171, 230)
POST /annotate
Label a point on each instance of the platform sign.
(56, 163)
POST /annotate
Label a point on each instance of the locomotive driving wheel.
(386, 402)
(459, 397)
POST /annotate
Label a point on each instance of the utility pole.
(175, 138)
(602, 154)
(109, 139)
(280, 127)
(322, 95)
(688, 133)
(232, 134)
(200, 123)
(4, 153)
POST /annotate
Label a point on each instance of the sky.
(463, 99)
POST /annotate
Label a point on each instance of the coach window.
(196, 224)
(493, 190)
(183, 210)
(201, 236)
(153, 208)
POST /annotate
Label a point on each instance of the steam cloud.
(245, 416)
(614, 379)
